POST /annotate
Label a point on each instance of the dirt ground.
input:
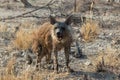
(106, 14)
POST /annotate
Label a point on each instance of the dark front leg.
(67, 52)
(55, 61)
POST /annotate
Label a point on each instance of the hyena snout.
(59, 34)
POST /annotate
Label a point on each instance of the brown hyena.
(51, 38)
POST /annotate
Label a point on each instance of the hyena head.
(60, 29)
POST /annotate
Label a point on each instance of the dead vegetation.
(24, 35)
(30, 73)
(108, 60)
(10, 66)
(78, 5)
(3, 28)
(89, 31)
(23, 39)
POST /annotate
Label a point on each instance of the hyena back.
(52, 37)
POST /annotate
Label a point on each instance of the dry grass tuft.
(81, 5)
(107, 59)
(8, 73)
(10, 66)
(23, 39)
(28, 24)
(8, 77)
(3, 28)
(29, 74)
(89, 31)
(77, 5)
(24, 35)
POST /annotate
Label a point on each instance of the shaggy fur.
(46, 41)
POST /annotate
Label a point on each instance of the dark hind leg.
(39, 58)
(40, 54)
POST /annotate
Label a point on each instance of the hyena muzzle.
(52, 37)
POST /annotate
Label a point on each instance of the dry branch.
(26, 3)
(75, 5)
(22, 15)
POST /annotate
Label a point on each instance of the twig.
(34, 16)
(21, 15)
(75, 5)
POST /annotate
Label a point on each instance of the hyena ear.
(52, 20)
(68, 21)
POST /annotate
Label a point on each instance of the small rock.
(110, 34)
(102, 36)
(87, 63)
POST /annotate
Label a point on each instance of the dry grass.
(107, 59)
(89, 31)
(8, 71)
(28, 24)
(82, 5)
(27, 74)
(10, 65)
(24, 35)
(78, 4)
(3, 28)
(23, 39)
